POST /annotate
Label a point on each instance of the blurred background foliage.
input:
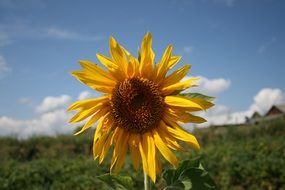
(237, 157)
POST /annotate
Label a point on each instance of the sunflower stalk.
(147, 182)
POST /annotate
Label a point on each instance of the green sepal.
(139, 56)
(198, 95)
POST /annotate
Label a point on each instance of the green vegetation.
(245, 157)
(237, 157)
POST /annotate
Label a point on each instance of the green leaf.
(199, 178)
(189, 175)
(178, 185)
(187, 164)
(170, 176)
(117, 182)
(198, 95)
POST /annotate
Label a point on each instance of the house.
(276, 111)
(254, 119)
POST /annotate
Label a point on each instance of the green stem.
(146, 182)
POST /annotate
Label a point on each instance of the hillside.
(237, 157)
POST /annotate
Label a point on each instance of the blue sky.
(238, 47)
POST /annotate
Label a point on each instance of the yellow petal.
(121, 156)
(98, 132)
(93, 82)
(162, 67)
(164, 150)
(184, 136)
(143, 151)
(176, 131)
(99, 139)
(87, 104)
(83, 114)
(105, 148)
(117, 149)
(176, 76)
(134, 149)
(169, 139)
(106, 62)
(147, 57)
(173, 61)
(150, 155)
(133, 67)
(117, 132)
(184, 116)
(179, 86)
(98, 145)
(93, 119)
(181, 101)
(96, 70)
(128, 54)
(113, 67)
(189, 118)
(92, 78)
(122, 148)
(118, 55)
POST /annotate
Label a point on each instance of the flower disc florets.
(137, 105)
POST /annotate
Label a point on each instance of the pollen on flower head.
(137, 105)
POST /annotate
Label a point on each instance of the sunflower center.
(137, 105)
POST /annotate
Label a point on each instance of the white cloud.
(265, 98)
(68, 35)
(84, 95)
(22, 29)
(219, 114)
(51, 123)
(52, 119)
(222, 115)
(4, 69)
(51, 103)
(9, 126)
(226, 119)
(262, 101)
(211, 86)
(62, 34)
(218, 110)
(25, 101)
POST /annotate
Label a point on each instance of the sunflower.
(140, 109)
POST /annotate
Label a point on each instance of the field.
(237, 157)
